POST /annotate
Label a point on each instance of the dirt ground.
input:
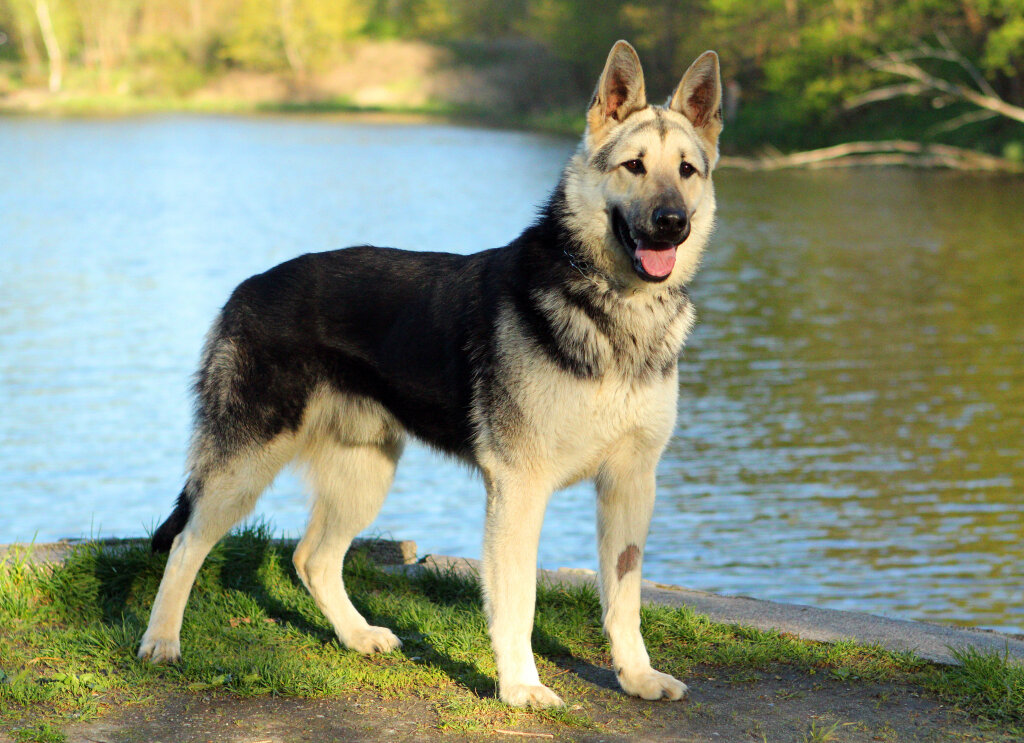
(779, 707)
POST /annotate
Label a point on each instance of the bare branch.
(902, 66)
(949, 54)
(966, 64)
(884, 94)
(971, 117)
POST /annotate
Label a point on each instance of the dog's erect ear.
(620, 91)
(699, 97)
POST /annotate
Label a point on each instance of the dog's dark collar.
(586, 269)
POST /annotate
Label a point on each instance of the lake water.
(851, 403)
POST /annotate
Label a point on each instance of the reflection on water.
(850, 420)
(853, 398)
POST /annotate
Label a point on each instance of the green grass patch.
(70, 633)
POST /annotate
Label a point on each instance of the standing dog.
(542, 363)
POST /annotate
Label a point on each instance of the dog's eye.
(636, 167)
(686, 170)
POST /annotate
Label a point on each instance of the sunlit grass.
(70, 632)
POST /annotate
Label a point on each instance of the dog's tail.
(164, 536)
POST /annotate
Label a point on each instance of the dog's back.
(384, 324)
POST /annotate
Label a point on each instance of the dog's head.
(639, 191)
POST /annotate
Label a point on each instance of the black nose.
(670, 224)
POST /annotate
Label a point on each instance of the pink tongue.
(656, 258)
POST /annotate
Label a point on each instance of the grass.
(87, 103)
(70, 632)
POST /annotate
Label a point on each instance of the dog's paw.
(527, 695)
(160, 650)
(373, 640)
(651, 684)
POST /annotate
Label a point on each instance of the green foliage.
(1014, 151)
(798, 64)
(794, 65)
(1004, 48)
(296, 34)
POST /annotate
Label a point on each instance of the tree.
(293, 34)
(53, 51)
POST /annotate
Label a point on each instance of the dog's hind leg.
(227, 494)
(625, 501)
(349, 485)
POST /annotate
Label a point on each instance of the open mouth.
(652, 260)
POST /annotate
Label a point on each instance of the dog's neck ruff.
(586, 321)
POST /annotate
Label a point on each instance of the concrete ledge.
(930, 641)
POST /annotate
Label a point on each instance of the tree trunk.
(52, 46)
(975, 23)
(198, 39)
(286, 12)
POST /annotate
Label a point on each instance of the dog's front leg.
(515, 514)
(625, 500)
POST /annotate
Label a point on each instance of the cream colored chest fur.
(581, 425)
(561, 428)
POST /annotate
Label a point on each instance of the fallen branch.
(883, 153)
(905, 64)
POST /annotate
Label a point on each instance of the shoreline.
(933, 642)
(900, 154)
(87, 105)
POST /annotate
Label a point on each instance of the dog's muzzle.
(653, 253)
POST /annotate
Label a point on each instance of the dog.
(542, 363)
